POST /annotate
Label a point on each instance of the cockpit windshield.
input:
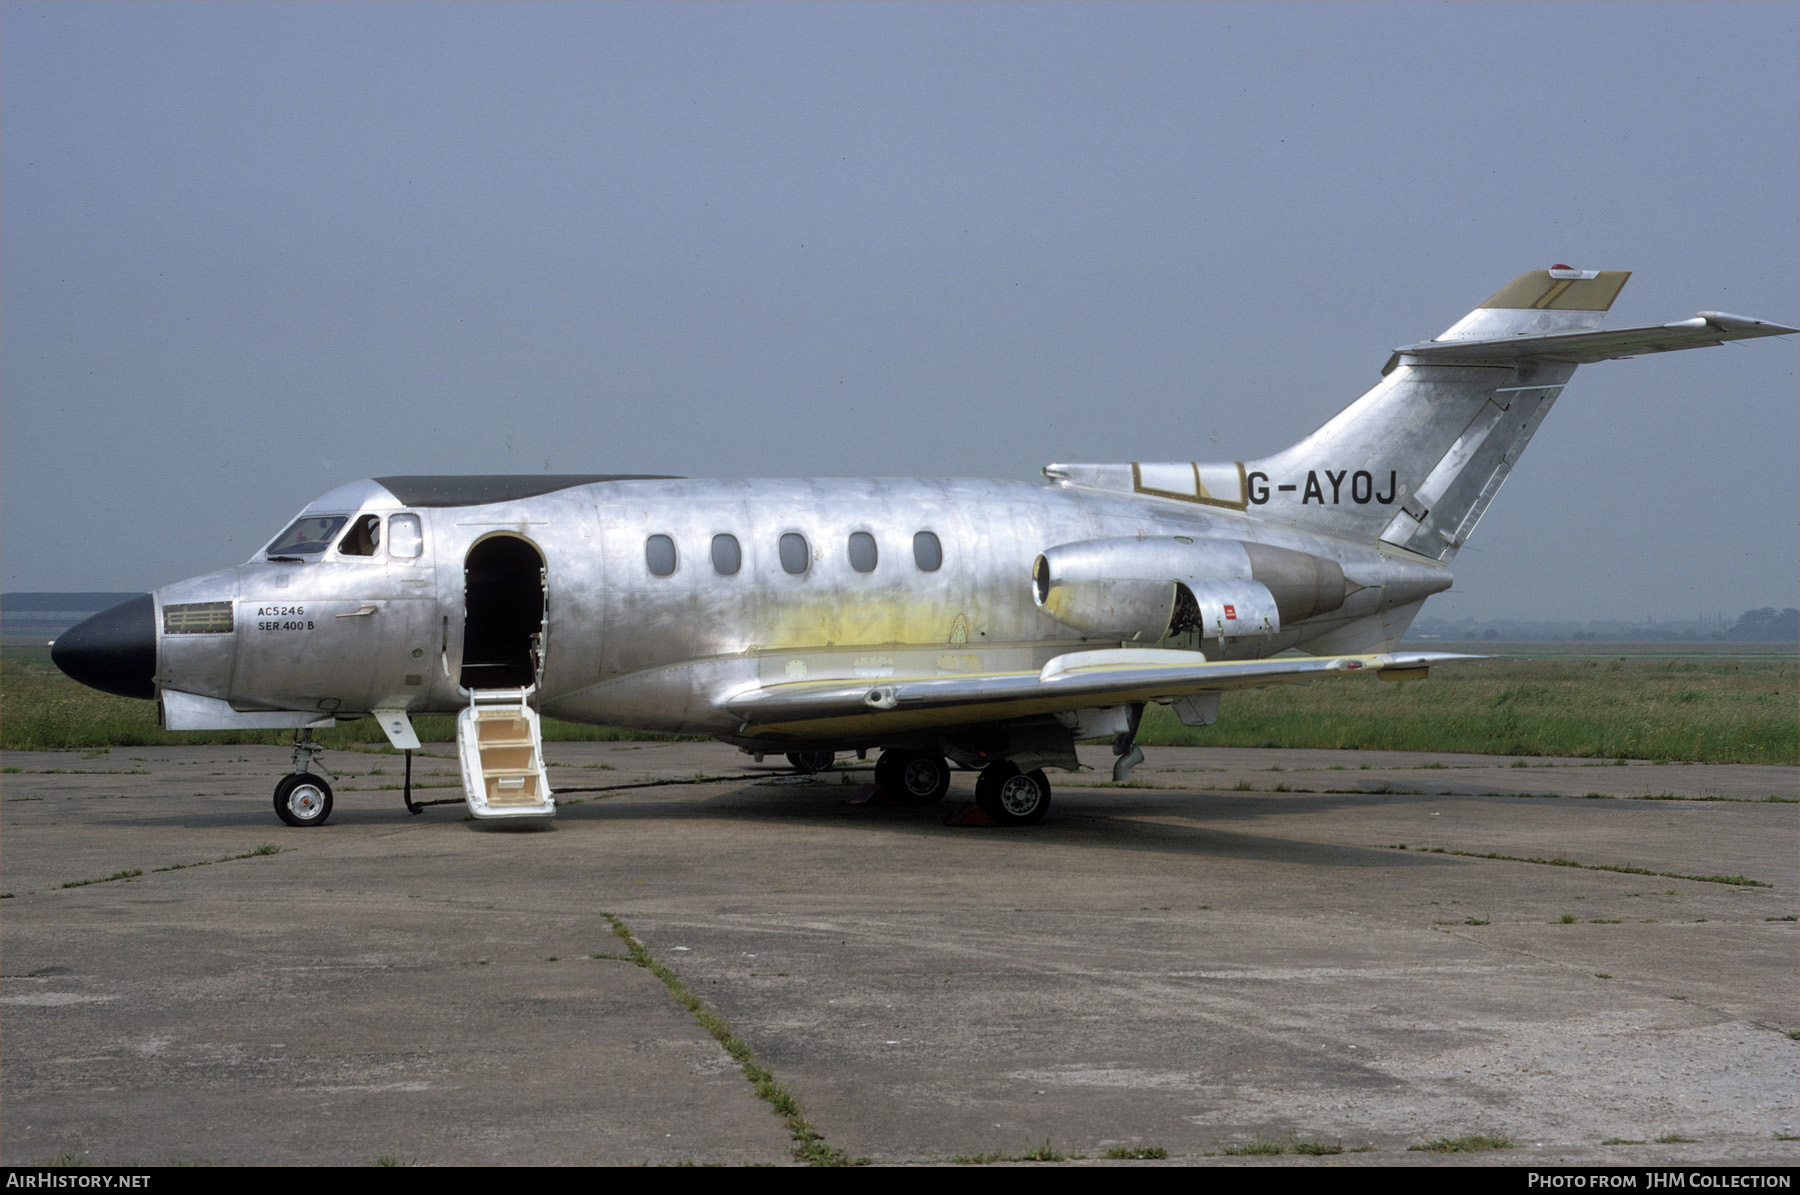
(310, 535)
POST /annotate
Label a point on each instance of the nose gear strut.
(304, 799)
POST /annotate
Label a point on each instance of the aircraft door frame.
(505, 614)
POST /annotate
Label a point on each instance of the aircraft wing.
(1582, 348)
(1078, 680)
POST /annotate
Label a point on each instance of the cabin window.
(928, 553)
(363, 537)
(659, 554)
(405, 539)
(795, 555)
(728, 557)
(308, 536)
(862, 552)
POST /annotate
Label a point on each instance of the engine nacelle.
(1133, 609)
(1226, 609)
(1141, 590)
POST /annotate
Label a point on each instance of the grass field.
(43, 710)
(1637, 702)
(1704, 707)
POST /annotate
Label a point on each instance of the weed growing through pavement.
(809, 1146)
(1475, 1143)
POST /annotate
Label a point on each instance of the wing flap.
(1078, 680)
(1707, 329)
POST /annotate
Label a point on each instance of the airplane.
(986, 624)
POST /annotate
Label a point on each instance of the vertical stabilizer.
(1416, 460)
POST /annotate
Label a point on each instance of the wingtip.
(1744, 323)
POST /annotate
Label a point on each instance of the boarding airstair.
(500, 744)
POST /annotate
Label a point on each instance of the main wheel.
(303, 799)
(890, 769)
(924, 779)
(1012, 797)
(812, 761)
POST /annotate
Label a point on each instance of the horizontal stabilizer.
(1078, 680)
(1582, 348)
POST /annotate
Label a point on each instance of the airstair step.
(500, 747)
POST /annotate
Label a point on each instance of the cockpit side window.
(405, 539)
(310, 535)
(363, 537)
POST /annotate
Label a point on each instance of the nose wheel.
(303, 799)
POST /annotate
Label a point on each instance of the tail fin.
(1415, 461)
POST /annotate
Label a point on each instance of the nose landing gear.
(301, 798)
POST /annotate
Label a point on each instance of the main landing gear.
(811, 761)
(916, 777)
(1002, 791)
(1012, 797)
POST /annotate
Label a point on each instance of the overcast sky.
(251, 252)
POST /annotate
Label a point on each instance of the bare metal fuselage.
(622, 646)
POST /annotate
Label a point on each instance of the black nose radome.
(113, 651)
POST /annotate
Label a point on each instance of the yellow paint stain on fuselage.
(856, 621)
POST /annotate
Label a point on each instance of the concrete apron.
(1197, 963)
